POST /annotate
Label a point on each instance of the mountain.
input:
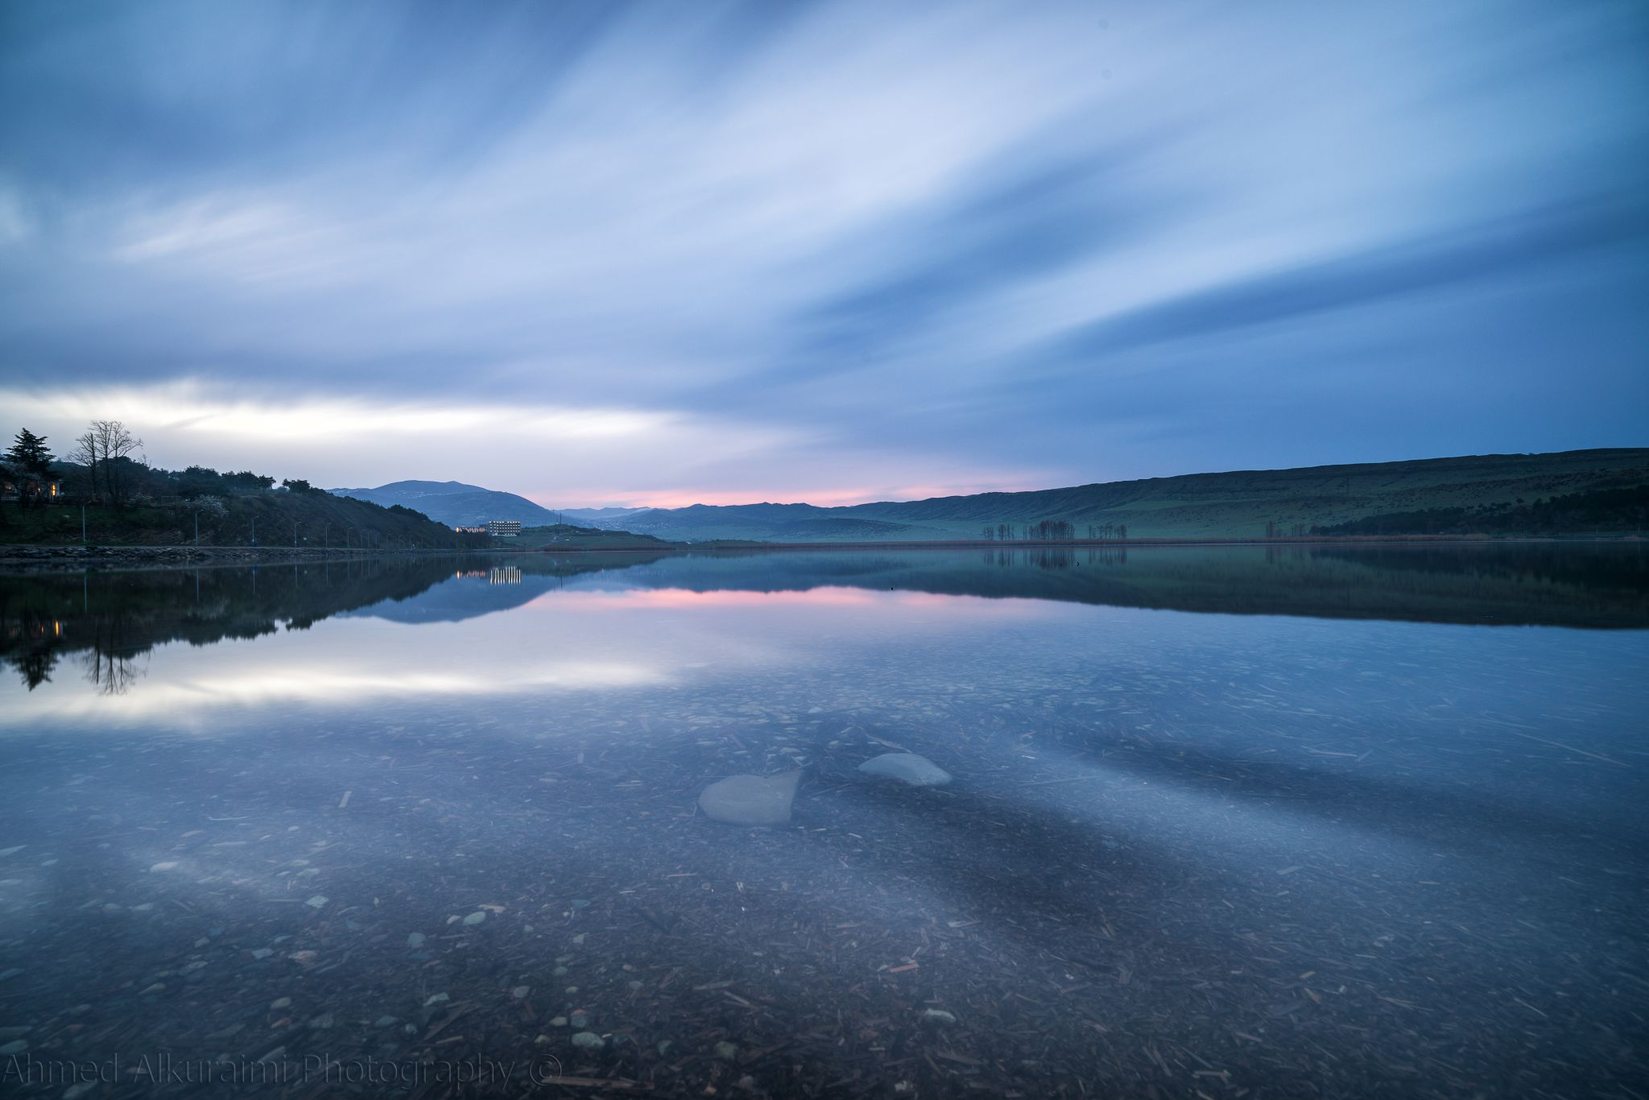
(454, 503)
(598, 517)
(1565, 492)
(1491, 493)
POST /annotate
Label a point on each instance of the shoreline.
(26, 556)
(29, 557)
(1139, 543)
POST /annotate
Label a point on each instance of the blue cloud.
(982, 243)
(1504, 247)
(1028, 218)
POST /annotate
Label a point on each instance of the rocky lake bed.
(461, 845)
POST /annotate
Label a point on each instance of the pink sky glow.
(824, 498)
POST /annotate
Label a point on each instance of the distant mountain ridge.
(1236, 504)
(454, 503)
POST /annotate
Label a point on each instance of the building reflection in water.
(498, 574)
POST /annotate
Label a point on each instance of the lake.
(1296, 821)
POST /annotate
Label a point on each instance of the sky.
(622, 253)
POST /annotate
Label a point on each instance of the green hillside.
(1490, 494)
(1242, 503)
(567, 536)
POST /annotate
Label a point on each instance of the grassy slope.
(566, 536)
(1240, 503)
(1237, 504)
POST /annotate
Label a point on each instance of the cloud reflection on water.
(575, 641)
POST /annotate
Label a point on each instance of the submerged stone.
(906, 767)
(751, 799)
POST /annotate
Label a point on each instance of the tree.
(31, 465)
(84, 453)
(112, 444)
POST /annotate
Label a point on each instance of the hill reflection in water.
(1318, 815)
(109, 619)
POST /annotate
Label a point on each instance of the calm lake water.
(1223, 822)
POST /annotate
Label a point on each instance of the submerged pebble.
(751, 799)
(906, 767)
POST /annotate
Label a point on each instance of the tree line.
(105, 465)
(124, 499)
(103, 454)
(1052, 530)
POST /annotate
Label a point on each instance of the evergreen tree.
(31, 464)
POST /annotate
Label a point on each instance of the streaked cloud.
(824, 248)
(592, 453)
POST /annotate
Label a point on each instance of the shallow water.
(1300, 822)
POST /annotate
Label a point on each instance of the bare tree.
(83, 452)
(111, 445)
